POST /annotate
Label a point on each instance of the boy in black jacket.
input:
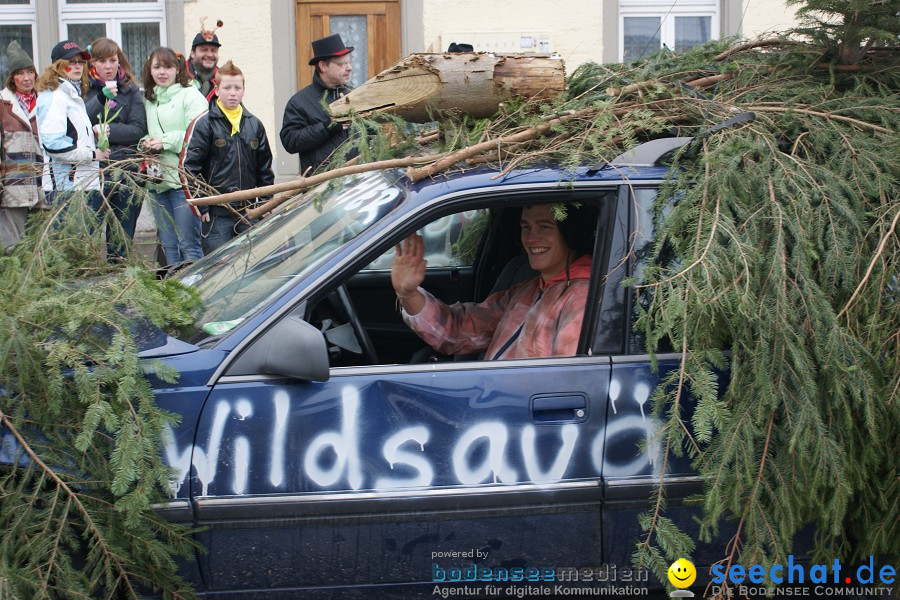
(226, 150)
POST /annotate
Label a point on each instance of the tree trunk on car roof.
(422, 86)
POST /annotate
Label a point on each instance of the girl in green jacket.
(172, 104)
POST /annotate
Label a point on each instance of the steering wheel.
(362, 335)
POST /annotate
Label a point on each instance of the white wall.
(766, 16)
(575, 32)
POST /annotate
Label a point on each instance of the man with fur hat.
(203, 64)
(22, 153)
(307, 128)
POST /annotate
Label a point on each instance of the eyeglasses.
(76, 61)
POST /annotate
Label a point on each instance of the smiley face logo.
(682, 573)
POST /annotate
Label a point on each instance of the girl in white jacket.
(66, 132)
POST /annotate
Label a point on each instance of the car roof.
(490, 179)
(636, 165)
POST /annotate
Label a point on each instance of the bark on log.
(422, 86)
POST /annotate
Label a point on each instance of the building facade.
(270, 39)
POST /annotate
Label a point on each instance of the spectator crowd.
(88, 124)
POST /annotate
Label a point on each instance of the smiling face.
(163, 75)
(107, 68)
(205, 55)
(24, 80)
(543, 241)
(231, 90)
(682, 573)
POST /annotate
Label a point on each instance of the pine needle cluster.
(81, 432)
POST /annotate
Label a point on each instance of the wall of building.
(574, 34)
(246, 39)
(765, 16)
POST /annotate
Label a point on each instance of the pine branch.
(874, 261)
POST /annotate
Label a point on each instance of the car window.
(251, 270)
(361, 322)
(450, 241)
(643, 226)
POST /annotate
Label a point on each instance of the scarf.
(27, 101)
(76, 83)
(233, 115)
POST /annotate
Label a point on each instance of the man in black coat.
(307, 128)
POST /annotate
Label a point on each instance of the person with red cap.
(307, 128)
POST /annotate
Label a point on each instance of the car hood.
(153, 342)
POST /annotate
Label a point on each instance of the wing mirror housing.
(292, 348)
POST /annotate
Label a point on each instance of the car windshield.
(253, 269)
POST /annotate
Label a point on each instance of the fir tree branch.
(872, 263)
(816, 113)
(92, 528)
(737, 48)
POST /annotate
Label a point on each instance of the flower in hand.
(103, 126)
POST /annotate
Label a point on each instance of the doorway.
(371, 27)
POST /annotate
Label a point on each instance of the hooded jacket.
(23, 156)
(307, 128)
(68, 138)
(550, 317)
(168, 118)
(129, 126)
(228, 162)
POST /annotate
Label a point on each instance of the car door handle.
(558, 407)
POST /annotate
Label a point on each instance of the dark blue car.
(328, 453)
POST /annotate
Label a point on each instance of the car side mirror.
(292, 348)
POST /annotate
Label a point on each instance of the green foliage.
(782, 248)
(847, 28)
(75, 513)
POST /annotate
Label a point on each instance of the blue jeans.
(221, 229)
(177, 226)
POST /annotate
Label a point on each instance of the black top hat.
(329, 47)
(68, 49)
(454, 47)
(199, 39)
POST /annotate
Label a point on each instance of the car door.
(385, 476)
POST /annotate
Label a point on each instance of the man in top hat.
(203, 64)
(307, 128)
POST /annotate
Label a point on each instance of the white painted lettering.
(394, 455)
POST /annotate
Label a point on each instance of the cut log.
(421, 87)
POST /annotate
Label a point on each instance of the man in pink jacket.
(536, 318)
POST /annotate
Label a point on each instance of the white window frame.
(114, 15)
(21, 14)
(667, 10)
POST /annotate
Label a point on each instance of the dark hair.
(106, 48)
(169, 58)
(578, 228)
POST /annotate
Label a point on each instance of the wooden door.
(371, 27)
